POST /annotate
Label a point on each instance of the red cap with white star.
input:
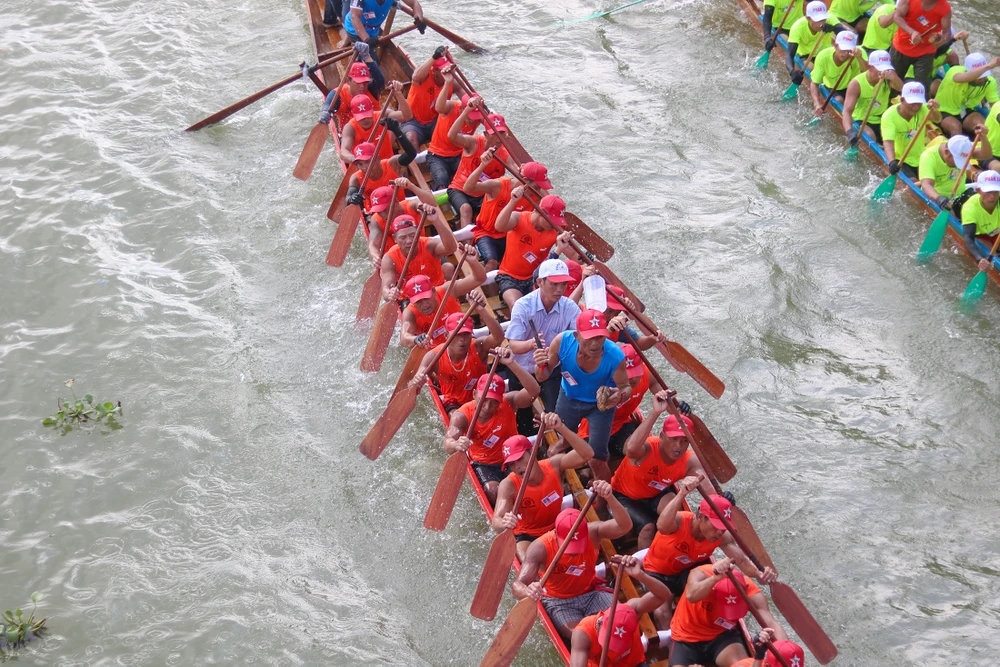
(418, 288)
(401, 222)
(451, 323)
(495, 390)
(514, 447)
(475, 114)
(728, 601)
(359, 73)
(555, 207)
(380, 199)
(614, 302)
(591, 323)
(724, 506)
(622, 629)
(581, 538)
(790, 651)
(633, 364)
(364, 151)
(672, 429)
(362, 107)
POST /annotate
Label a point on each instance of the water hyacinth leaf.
(79, 406)
(109, 406)
(36, 596)
(12, 636)
(19, 613)
(49, 421)
(67, 407)
(89, 398)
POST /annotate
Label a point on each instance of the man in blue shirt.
(363, 19)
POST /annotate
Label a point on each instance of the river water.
(232, 520)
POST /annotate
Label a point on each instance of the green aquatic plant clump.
(81, 411)
(15, 629)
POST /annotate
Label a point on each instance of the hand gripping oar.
(886, 187)
(400, 407)
(352, 215)
(385, 321)
(450, 481)
(609, 619)
(793, 90)
(935, 235)
(371, 293)
(522, 617)
(493, 579)
(833, 91)
(317, 138)
(538, 339)
(788, 603)
(852, 152)
(977, 285)
(455, 39)
(713, 458)
(760, 621)
(766, 57)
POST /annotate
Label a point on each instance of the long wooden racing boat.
(755, 11)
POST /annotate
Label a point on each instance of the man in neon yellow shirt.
(940, 165)
(980, 215)
(830, 65)
(900, 125)
(993, 133)
(852, 12)
(962, 89)
(774, 10)
(860, 92)
(881, 28)
(816, 25)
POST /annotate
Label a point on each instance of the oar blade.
(493, 580)
(511, 635)
(446, 492)
(242, 104)
(935, 236)
(885, 188)
(697, 370)
(341, 243)
(802, 621)
(339, 202)
(791, 93)
(851, 154)
(763, 61)
(310, 152)
(379, 338)
(718, 461)
(388, 424)
(410, 369)
(370, 296)
(974, 292)
(814, 121)
(588, 238)
(749, 535)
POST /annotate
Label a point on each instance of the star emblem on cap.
(496, 122)
(416, 288)
(362, 107)
(357, 151)
(493, 385)
(506, 451)
(796, 661)
(731, 599)
(594, 322)
(629, 362)
(619, 631)
(728, 513)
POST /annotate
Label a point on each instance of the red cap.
(613, 303)
(496, 388)
(575, 274)
(790, 651)
(728, 600)
(724, 506)
(364, 151)
(495, 123)
(514, 448)
(362, 107)
(555, 207)
(538, 173)
(404, 221)
(625, 623)
(380, 199)
(591, 323)
(451, 323)
(475, 113)
(359, 73)
(672, 429)
(441, 62)
(633, 364)
(565, 521)
(418, 288)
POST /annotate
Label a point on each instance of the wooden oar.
(716, 462)
(538, 340)
(760, 621)
(522, 617)
(886, 187)
(371, 293)
(455, 39)
(935, 235)
(977, 286)
(852, 152)
(493, 579)
(596, 15)
(317, 138)
(793, 90)
(400, 407)
(833, 91)
(764, 59)
(352, 215)
(385, 321)
(247, 101)
(450, 481)
(609, 618)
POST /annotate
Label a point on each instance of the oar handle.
(527, 473)
(913, 141)
(569, 538)
(482, 397)
(736, 536)
(447, 294)
(805, 65)
(871, 106)
(756, 614)
(965, 167)
(996, 244)
(538, 339)
(640, 318)
(413, 250)
(609, 618)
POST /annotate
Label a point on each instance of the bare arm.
(620, 523)
(887, 20)
(445, 243)
(524, 397)
(421, 73)
(581, 452)
(455, 134)
(478, 273)
(850, 101)
(669, 522)
(472, 184)
(402, 112)
(389, 277)
(454, 437)
(507, 219)
(408, 332)
(759, 603)
(526, 584)
(635, 446)
(359, 25)
(443, 104)
(347, 144)
(579, 645)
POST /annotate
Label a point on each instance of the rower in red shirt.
(383, 171)
(542, 500)
(427, 257)
(364, 117)
(378, 203)
(443, 157)
(424, 301)
(425, 86)
(789, 650)
(361, 80)
(923, 25)
(529, 239)
(623, 425)
(473, 146)
(705, 628)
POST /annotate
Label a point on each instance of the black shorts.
(491, 248)
(448, 407)
(505, 282)
(703, 653)
(524, 537)
(676, 582)
(424, 131)
(910, 171)
(854, 24)
(457, 198)
(643, 511)
(487, 472)
(877, 129)
(960, 119)
(616, 443)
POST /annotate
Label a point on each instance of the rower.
(964, 88)
(815, 25)
(551, 313)
(383, 172)
(853, 13)
(364, 117)
(496, 192)
(789, 650)
(570, 594)
(378, 203)
(426, 259)
(685, 540)
(981, 215)
(473, 145)
(363, 78)
(529, 239)
(830, 65)
(923, 25)
(626, 646)
(363, 21)
(880, 29)
(425, 84)
(993, 134)
(425, 299)
(623, 426)
(590, 365)
(860, 92)
(496, 425)
(940, 165)
(901, 122)
(443, 156)
(777, 8)
(459, 368)
(542, 500)
(617, 318)
(644, 481)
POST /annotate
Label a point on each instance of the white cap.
(988, 181)
(913, 93)
(960, 148)
(974, 60)
(880, 60)
(816, 10)
(846, 40)
(553, 267)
